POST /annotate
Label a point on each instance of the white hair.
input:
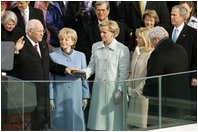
(31, 24)
(9, 15)
(158, 32)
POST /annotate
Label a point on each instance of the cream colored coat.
(111, 67)
(138, 68)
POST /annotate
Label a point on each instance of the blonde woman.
(110, 63)
(138, 67)
(68, 98)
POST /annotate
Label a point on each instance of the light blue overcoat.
(68, 93)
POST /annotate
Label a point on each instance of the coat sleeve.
(154, 67)
(90, 70)
(57, 68)
(85, 86)
(124, 63)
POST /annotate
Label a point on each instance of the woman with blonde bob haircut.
(68, 33)
(68, 99)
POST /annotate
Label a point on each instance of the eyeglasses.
(101, 10)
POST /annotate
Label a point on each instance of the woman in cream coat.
(138, 66)
(110, 63)
(137, 74)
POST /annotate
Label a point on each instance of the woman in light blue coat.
(69, 93)
(110, 63)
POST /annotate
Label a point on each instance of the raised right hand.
(19, 44)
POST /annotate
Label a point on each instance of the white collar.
(180, 27)
(112, 45)
(32, 42)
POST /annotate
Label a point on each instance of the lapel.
(42, 48)
(31, 49)
(31, 13)
(183, 34)
(20, 19)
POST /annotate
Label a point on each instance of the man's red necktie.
(36, 48)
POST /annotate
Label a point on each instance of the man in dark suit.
(187, 37)
(25, 13)
(32, 62)
(167, 58)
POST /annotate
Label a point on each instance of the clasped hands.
(84, 104)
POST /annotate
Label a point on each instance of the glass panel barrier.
(144, 104)
(172, 102)
(18, 100)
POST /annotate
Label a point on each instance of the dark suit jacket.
(167, 58)
(188, 39)
(34, 14)
(92, 35)
(28, 65)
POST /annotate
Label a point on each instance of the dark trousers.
(39, 118)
